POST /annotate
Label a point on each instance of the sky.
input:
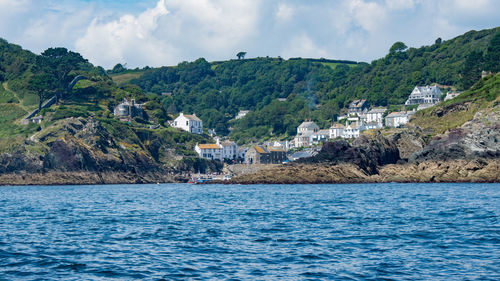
(166, 32)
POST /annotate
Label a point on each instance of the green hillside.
(28, 80)
(313, 89)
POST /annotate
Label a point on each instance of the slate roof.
(308, 124)
(192, 117)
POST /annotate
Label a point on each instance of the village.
(360, 117)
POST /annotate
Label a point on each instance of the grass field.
(124, 78)
(333, 65)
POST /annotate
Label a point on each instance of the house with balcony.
(424, 95)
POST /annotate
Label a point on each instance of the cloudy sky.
(166, 32)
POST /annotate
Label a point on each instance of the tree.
(119, 68)
(398, 47)
(438, 41)
(42, 84)
(492, 58)
(241, 55)
(472, 68)
(59, 62)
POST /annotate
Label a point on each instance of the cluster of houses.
(360, 117)
(228, 150)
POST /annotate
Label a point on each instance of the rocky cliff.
(83, 150)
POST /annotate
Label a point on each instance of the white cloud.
(369, 15)
(284, 12)
(303, 46)
(166, 32)
(128, 39)
(400, 4)
(172, 31)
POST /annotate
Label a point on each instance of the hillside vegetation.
(313, 89)
(82, 122)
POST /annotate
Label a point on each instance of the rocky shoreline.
(476, 170)
(87, 178)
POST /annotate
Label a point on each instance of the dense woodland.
(313, 89)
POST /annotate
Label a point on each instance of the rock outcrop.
(366, 152)
(478, 138)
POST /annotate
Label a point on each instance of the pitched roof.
(396, 114)
(322, 132)
(337, 126)
(227, 143)
(378, 110)
(308, 124)
(192, 117)
(275, 148)
(209, 146)
(260, 149)
(357, 103)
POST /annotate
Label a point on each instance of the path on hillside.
(54, 98)
(20, 103)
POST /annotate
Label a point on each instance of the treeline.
(315, 89)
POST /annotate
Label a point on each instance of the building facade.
(336, 131)
(398, 119)
(129, 109)
(304, 133)
(190, 123)
(425, 94)
(358, 107)
(218, 151)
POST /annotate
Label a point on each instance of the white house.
(190, 123)
(353, 130)
(211, 151)
(229, 149)
(336, 131)
(242, 114)
(425, 94)
(320, 136)
(398, 119)
(375, 114)
(304, 133)
(218, 151)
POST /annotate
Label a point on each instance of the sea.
(250, 232)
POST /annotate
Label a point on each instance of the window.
(187, 123)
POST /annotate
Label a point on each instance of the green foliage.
(398, 47)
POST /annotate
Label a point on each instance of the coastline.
(452, 171)
(456, 171)
(86, 178)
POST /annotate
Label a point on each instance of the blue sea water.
(259, 232)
